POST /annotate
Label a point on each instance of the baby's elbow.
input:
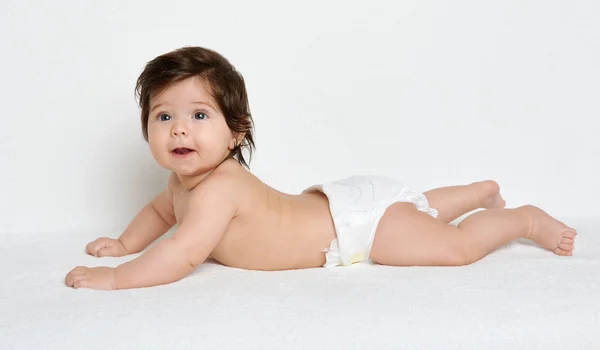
(194, 262)
(191, 260)
(178, 272)
(192, 256)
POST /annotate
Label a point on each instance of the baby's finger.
(78, 270)
(82, 284)
(88, 248)
(93, 247)
(75, 274)
(97, 245)
(107, 251)
(70, 278)
(79, 278)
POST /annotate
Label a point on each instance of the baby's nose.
(179, 130)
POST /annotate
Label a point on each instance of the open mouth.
(182, 151)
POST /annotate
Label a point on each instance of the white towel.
(518, 297)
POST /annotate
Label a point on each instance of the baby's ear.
(236, 140)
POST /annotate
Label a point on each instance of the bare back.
(271, 230)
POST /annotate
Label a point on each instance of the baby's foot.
(550, 233)
(489, 194)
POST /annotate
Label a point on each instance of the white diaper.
(357, 203)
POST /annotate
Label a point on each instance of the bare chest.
(180, 204)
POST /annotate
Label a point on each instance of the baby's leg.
(453, 201)
(408, 237)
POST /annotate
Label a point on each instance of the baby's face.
(187, 132)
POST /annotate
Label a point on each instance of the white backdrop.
(433, 93)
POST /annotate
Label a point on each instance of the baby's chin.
(185, 170)
(191, 169)
(188, 172)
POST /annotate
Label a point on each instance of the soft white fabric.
(357, 204)
(520, 297)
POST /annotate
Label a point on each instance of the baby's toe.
(561, 252)
(565, 246)
(567, 240)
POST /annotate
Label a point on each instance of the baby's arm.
(210, 209)
(156, 218)
(150, 223)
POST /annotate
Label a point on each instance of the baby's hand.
(106, 247)
(93, 278)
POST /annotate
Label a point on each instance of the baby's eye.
(200, 115)
(164, 117)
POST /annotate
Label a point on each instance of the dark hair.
(226, 85)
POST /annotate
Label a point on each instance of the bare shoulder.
(211, 206)
(226, 182)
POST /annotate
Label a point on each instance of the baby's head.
(195, 110)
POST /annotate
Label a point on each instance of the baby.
(196, 119)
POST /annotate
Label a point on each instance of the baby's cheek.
(158, 153)
(220, 147)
